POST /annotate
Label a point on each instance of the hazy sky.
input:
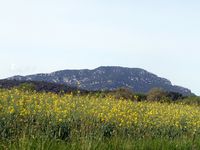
(160, 36)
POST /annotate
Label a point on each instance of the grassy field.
(31, 120)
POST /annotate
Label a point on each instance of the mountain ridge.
(107, 78)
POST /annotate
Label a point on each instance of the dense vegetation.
(39, 86)
(113, 120)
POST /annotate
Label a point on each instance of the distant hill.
(107, 78)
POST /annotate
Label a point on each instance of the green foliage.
(123, 93)
(140, 97)
(27, 87)
(191, 100)
(174, 96)
(157, 94)
(99, 143)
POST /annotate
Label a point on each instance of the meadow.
(39, 120)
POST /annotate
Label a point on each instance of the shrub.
(174, 96)
(191, 100)
(157, 94)
(123, 93)
(27, 87)
(140, 96)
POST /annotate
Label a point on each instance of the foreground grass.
(30, 120)
(113, 143)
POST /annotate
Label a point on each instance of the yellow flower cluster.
(121, 113)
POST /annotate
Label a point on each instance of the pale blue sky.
(162, 37)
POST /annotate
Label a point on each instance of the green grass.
(88, 143)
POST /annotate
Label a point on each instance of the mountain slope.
(107, 78)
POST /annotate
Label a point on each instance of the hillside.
(107, 78)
